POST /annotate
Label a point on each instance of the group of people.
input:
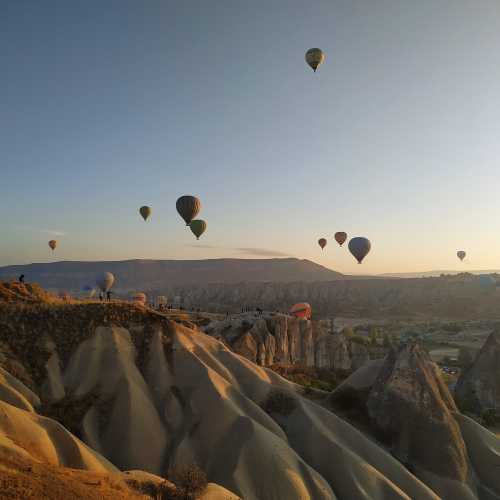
(107, 295)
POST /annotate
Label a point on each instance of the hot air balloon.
(322, 243)
(198, 227)
(461, 254)
(301, 310)
(359, 247)
(53, 244)
(340, 237)
(188, 208)
(315, 57)
(139, 298)
(105, 282)
(145, 212)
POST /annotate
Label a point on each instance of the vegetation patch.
(309, 377)
(12, 365)
(189, 480)
(280, 402)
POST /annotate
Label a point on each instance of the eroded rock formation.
(478, 388)
(271, 338)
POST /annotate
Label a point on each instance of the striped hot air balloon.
(301, 310)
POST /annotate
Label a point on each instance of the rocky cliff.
(478, 388)
(403, 402)
(411, 406)
(447, 297)
(271, 338)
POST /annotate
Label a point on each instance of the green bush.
(348, 332)
(359, 339)
(490, 417)
(190, 482)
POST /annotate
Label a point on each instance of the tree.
(373, 335)
(348, 332)
(386, 342)
(447, 360)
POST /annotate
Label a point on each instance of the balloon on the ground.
(322, 243)
(315, 58)
(105, 282)
(188, 208)
(198, 227)
(359, 247)
(145, 212)
(53, 244)
(139, 298)
(301, 310)
(461, 254)
(340, 237)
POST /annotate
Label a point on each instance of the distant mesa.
(150, 274)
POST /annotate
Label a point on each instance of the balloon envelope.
(105, 282)
(301, 310)
(315, 57)
(198, 227)
(188, 207)
(340, 237)
(322, 243)
(139, 297)
(359, 247)
(145, 212)
(53, 244)
(461, 254)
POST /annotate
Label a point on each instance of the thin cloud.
(51, 232)
(256, 252)
(202, 246)
(262, 252)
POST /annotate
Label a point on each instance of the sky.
(107, 105)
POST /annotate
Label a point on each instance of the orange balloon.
(301, 310)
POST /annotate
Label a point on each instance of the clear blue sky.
(108, 105)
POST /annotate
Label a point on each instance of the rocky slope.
(411, 407)
(478, 388)
(273, 338)
(147, 393)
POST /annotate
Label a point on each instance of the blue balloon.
(359, 247)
